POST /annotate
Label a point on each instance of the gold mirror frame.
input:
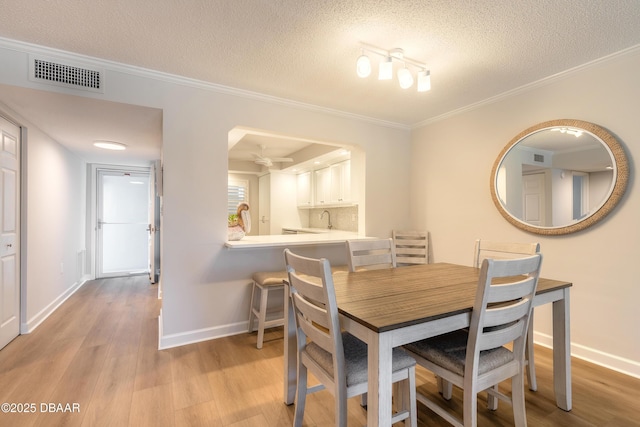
(621, 169)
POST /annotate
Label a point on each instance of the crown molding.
(30, 48)
(528, 87)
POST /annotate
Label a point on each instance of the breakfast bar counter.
(291, 240)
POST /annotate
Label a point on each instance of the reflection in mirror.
(559, 177)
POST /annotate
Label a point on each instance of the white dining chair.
(338, 360)
(412, 247)
(476, 359)
(486, 249)
(371, 254)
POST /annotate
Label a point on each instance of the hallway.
(98, 352)
(94, 351)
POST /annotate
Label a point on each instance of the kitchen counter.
(290, 240)
(307, 230)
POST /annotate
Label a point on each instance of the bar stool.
(266, 281)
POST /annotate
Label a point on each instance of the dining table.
(391, 307)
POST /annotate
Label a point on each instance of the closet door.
(9, 232)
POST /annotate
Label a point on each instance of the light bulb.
(405, 78)
(386, 69)
(424, 81)
(363, 66)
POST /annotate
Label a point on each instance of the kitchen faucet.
(329, 226)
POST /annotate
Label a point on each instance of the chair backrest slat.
(502, 315)
(514, 290)
(499, 337)
(308, 319)
(371, 253)
(307, 286)
(485, 249)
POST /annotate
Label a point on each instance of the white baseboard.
(42, 315)
(609, 361)
(199, 335)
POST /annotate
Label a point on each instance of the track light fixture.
(385, 68)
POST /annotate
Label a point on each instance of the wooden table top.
(389, 299)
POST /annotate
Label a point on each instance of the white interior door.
(533, 199)
(123, 237)
(9, 232)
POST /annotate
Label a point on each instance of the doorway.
(124, 230)
(580, 195)
(533, 199)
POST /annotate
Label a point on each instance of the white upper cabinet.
(322, 186)
(340, 190)
(304, 190)
(332, 185)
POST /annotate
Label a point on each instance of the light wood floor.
(99, 350)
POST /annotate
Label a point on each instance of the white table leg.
(562, 352)
(290, 356)
(379, 392)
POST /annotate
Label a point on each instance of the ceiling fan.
(262, 160)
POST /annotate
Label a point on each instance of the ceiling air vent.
(538, 158)
(51, 71)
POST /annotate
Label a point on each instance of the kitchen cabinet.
(340, 187)
(333, 184)
(322, 185)
(303, 188)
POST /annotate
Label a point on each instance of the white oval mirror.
(559, 177)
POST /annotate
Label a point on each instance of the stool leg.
(251, 318)
(262, 315)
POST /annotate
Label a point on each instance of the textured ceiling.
(306, 51)
(77, 122)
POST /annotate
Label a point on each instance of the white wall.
(53, 223)
(205, 286)
(451, 165)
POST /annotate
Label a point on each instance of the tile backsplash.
(342, 218)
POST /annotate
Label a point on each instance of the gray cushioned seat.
(355, 354)
(450, 351)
